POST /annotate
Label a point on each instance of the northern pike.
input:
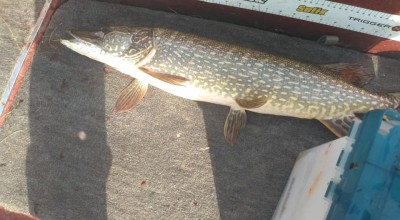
(203, 69)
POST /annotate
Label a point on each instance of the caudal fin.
(397, 96)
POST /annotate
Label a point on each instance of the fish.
(206, 70)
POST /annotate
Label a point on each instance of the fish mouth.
(81, 36)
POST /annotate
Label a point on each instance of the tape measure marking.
(329, 13)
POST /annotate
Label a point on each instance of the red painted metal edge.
(9, 215)
(29, 51)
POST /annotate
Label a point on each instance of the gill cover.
(131, 43)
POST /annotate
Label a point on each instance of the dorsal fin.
(351, 73)
(168, 78)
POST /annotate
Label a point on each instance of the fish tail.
(396, 95)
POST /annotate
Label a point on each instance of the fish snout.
(94, 37)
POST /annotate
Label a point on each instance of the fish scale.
(292, 88)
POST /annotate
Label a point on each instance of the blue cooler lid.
(369, 187)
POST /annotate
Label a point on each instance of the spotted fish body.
(224, 73)
(201, 69)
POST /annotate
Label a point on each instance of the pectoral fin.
(340, 127)
(351, 73)
(168, 78)
(131, 95)
(235, 120)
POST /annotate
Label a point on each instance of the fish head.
(117, 43)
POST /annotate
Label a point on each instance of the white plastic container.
(359, 173)
(304, 195)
